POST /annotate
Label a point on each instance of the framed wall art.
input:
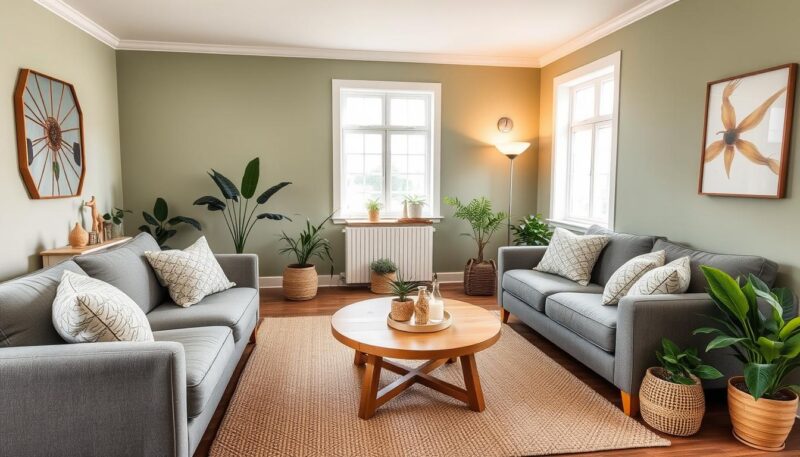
(50, 145)
(747, 134)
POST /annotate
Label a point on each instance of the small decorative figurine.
(97, 219)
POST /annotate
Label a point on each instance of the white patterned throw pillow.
(88, 310)
(190, 274)
(572, 256)
(626, 276)
(672, 278)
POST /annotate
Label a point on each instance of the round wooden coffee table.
(362, 326)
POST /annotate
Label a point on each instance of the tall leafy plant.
(767, 345)
(239, 208)
(482, 220)
(309, 243)
(163, 226)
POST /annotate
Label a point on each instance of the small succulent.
(413, 200)
(403, 288)
(383, 266)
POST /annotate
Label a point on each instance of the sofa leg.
(253, 336)
(505, 315)
(630, 403)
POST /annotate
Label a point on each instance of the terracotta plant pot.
(676, 409)
(374, 215)
(480, 278)
(78, 237)
(762, 424)
(379, 284)
(402, 310)
(300, 282)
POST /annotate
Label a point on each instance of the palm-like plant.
(240, 217)
(164, 227)
(768, 346)
(483, 221)
(309, 243)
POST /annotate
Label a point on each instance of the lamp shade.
(513, 149)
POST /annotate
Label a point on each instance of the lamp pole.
(510, 193)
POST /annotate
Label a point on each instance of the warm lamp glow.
(513, 149)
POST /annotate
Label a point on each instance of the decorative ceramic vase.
(405, 210)
(762, 424)
(86, 217)
(480, 278)
(108, 231)
(78, 237)
(381, 283)
(672, 408)
(300, 282)
(402, 310)
(374, 215)
(421, 307)
(414, 210)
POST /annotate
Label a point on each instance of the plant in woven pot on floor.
(671, 395)
(762, 403)
(480, 275)
(300, 280)
(382, 273)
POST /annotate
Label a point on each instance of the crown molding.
(76, 18)
(623, 20)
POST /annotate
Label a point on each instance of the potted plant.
(382, 273)
(480, 276)
(671, 396)
(402, 305)
(164, 227)
(374, 209)
(532, 231)
(761, 404)
(413, 205)
(113, 222)
(239, 215)
(300, 281)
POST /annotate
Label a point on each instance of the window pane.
(583, 104)
(363, 167)
(602, 172)
(362, 110)
(606, 97)
(407, 112)
(416, 164)
(580, 173)
(410, 163)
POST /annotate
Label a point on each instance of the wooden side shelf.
(57, 255)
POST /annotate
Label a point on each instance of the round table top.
(362, 326)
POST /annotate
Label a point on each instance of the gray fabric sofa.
(120, 399)
(618, 342)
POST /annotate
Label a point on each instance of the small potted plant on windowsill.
(382, 273)
(300, 280)
(413, 206)
(402, 305)
(374, 210)
(671, 396)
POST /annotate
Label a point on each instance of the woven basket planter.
(380, 283)
(480, 278)
(676, 409)
(761, 424)
(402, 310)
(300, 283)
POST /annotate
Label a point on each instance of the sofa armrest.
(240, 268)
(516, 258)
(94, 399)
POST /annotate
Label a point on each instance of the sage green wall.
(182, 114)
(667, 58)
(32, 37)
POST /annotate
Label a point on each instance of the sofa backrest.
(734, 265)
(621, 247)
(26, 303)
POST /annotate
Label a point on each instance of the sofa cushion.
(533, 287)
(585, 315)
(734, 265)
(208, 351)
(572, 256)
(628, 274)
(621, 247)
(229, 308)
(672, 278)
(26, 304)
(125, 268)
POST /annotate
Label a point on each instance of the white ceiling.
(489, 32)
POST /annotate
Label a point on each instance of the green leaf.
(706, 372)
(769, 349)
(670, 348)
(758, 377)
(56, 170)
(145, 229)
(149, 218)
(212, 203)
(185, 220)
(723, 341)
(250, 179)
(727, 291)
(681, 379)
(270, 192)
(226, 186)
(106, 217)
(791, 347)
(273, 216)
(706, 330)
(160, 209)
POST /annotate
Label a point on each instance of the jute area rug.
(298, 396)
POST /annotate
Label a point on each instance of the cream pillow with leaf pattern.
(628, 274)
(672, 278)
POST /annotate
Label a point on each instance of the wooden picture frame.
(50, 142)
(747, 134)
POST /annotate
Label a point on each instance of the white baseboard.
(274, 282)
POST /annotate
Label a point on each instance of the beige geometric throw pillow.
(88, 310)
(572, 256)
(190, 274)
(626, 276)
(672, 278)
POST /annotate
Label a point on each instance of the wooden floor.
(713, 439)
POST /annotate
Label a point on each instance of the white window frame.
(564, 86)
(433, 171)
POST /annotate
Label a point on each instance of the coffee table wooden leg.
(369, 387)
(360, 358)
(452, 360)
(472, 383)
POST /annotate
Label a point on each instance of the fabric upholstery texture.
(672, 278)
(585, 315)
(190, 274)
(620, 248)
(533, 287)
(626, 276)
(572, 256)
(126, 268)
(87, 310)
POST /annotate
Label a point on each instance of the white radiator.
(411, 248)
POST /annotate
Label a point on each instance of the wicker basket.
(676, 409)
(300, 283)
(380, 284)
(402, 310)
(480, 278)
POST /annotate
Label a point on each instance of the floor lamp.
(512, 151)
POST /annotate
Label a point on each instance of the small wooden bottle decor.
(421, 307)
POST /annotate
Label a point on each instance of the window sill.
(384, 222)
(574, 226)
